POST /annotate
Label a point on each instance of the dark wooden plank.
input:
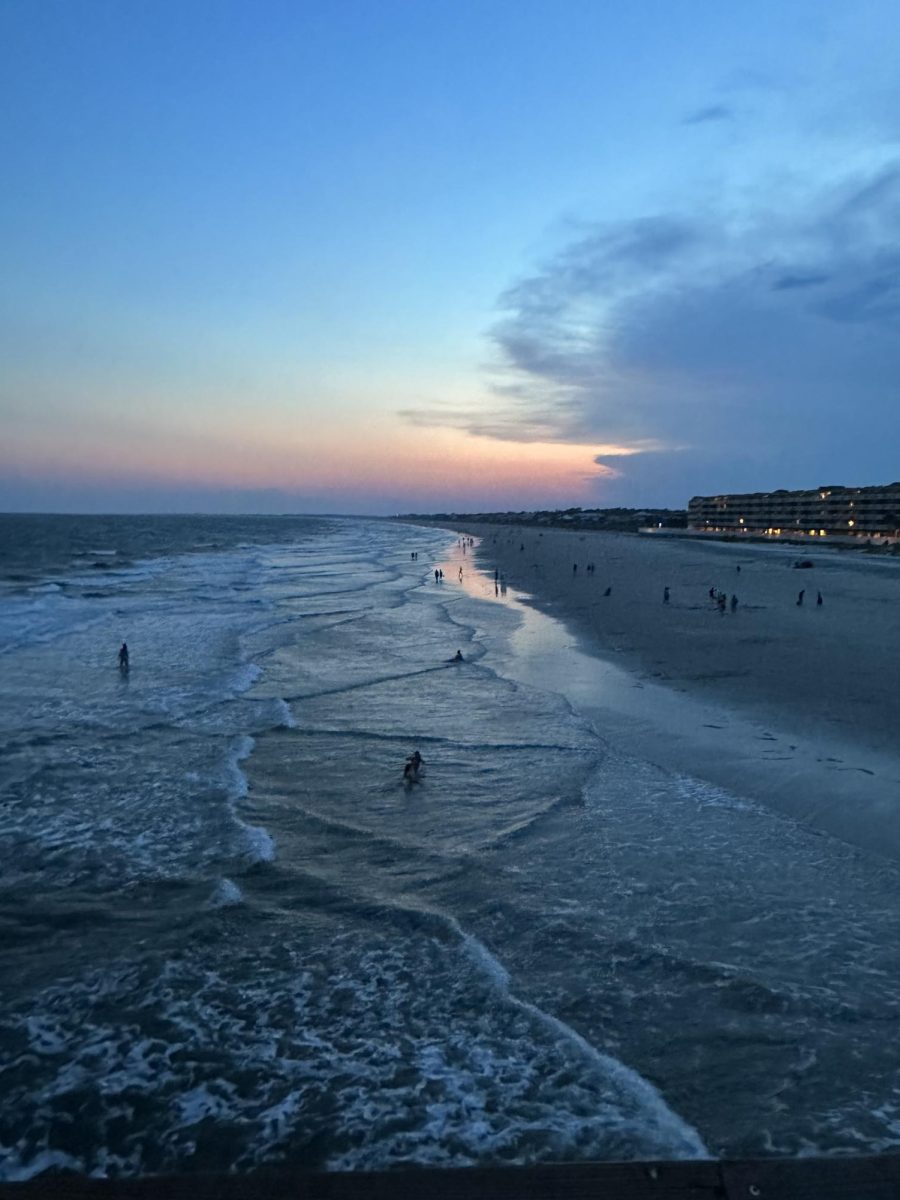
(766, 1179)
(597, 1181)
(813, 1179)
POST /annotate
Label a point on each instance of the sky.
(390, 256)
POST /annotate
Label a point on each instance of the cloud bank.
(721, 350)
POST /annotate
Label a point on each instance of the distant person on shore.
(574, 568)
(123, 657)
(458, 657)
(435, 574)
(665, 595)
(800, 597)
(460, 574)
(819, 600)
(712, 593)
(722, 600)
(608, 592)
(734, 603)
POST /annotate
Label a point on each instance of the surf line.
(667, 1122)
(364, 683)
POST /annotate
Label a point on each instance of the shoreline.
(791, 705)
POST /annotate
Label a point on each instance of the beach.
(794, 705)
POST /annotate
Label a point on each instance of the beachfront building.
(832, 511)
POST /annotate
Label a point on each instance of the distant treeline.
(620, 520)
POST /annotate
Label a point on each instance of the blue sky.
(388, 256)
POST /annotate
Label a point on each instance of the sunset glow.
(372, 262)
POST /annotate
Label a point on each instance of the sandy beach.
(792, 705)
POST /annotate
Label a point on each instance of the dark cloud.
(799, 281)
(712, 112)
(765, 350)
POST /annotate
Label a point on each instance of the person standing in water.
(412, 766)
(123, 657)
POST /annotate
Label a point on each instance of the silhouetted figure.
(123, 657)
(458, 656)
(712, 593)
(800, 597)
(435, 574)
(460, 574)
(608, 592)
(665, 595)
(574, 568)
(722, 600)
(734, 603)
(819, 600)
(413, 765)
(738, 568)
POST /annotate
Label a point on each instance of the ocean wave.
(352, 1052)
(226, 894)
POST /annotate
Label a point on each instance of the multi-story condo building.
(833, 511)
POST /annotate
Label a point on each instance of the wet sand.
(795, 706)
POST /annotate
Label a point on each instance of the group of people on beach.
(721, 600)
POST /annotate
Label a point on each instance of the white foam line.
(668, 1121)
(261, 842)
(287, 717)
(227, 893)
(242, 749)
(245, 676)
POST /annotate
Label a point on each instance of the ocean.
(233, 936)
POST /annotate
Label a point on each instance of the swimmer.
(412, 767)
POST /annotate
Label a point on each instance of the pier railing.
(766, 1179)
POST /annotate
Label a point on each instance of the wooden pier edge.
(761, 1179)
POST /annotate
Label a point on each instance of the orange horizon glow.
(382, 457)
